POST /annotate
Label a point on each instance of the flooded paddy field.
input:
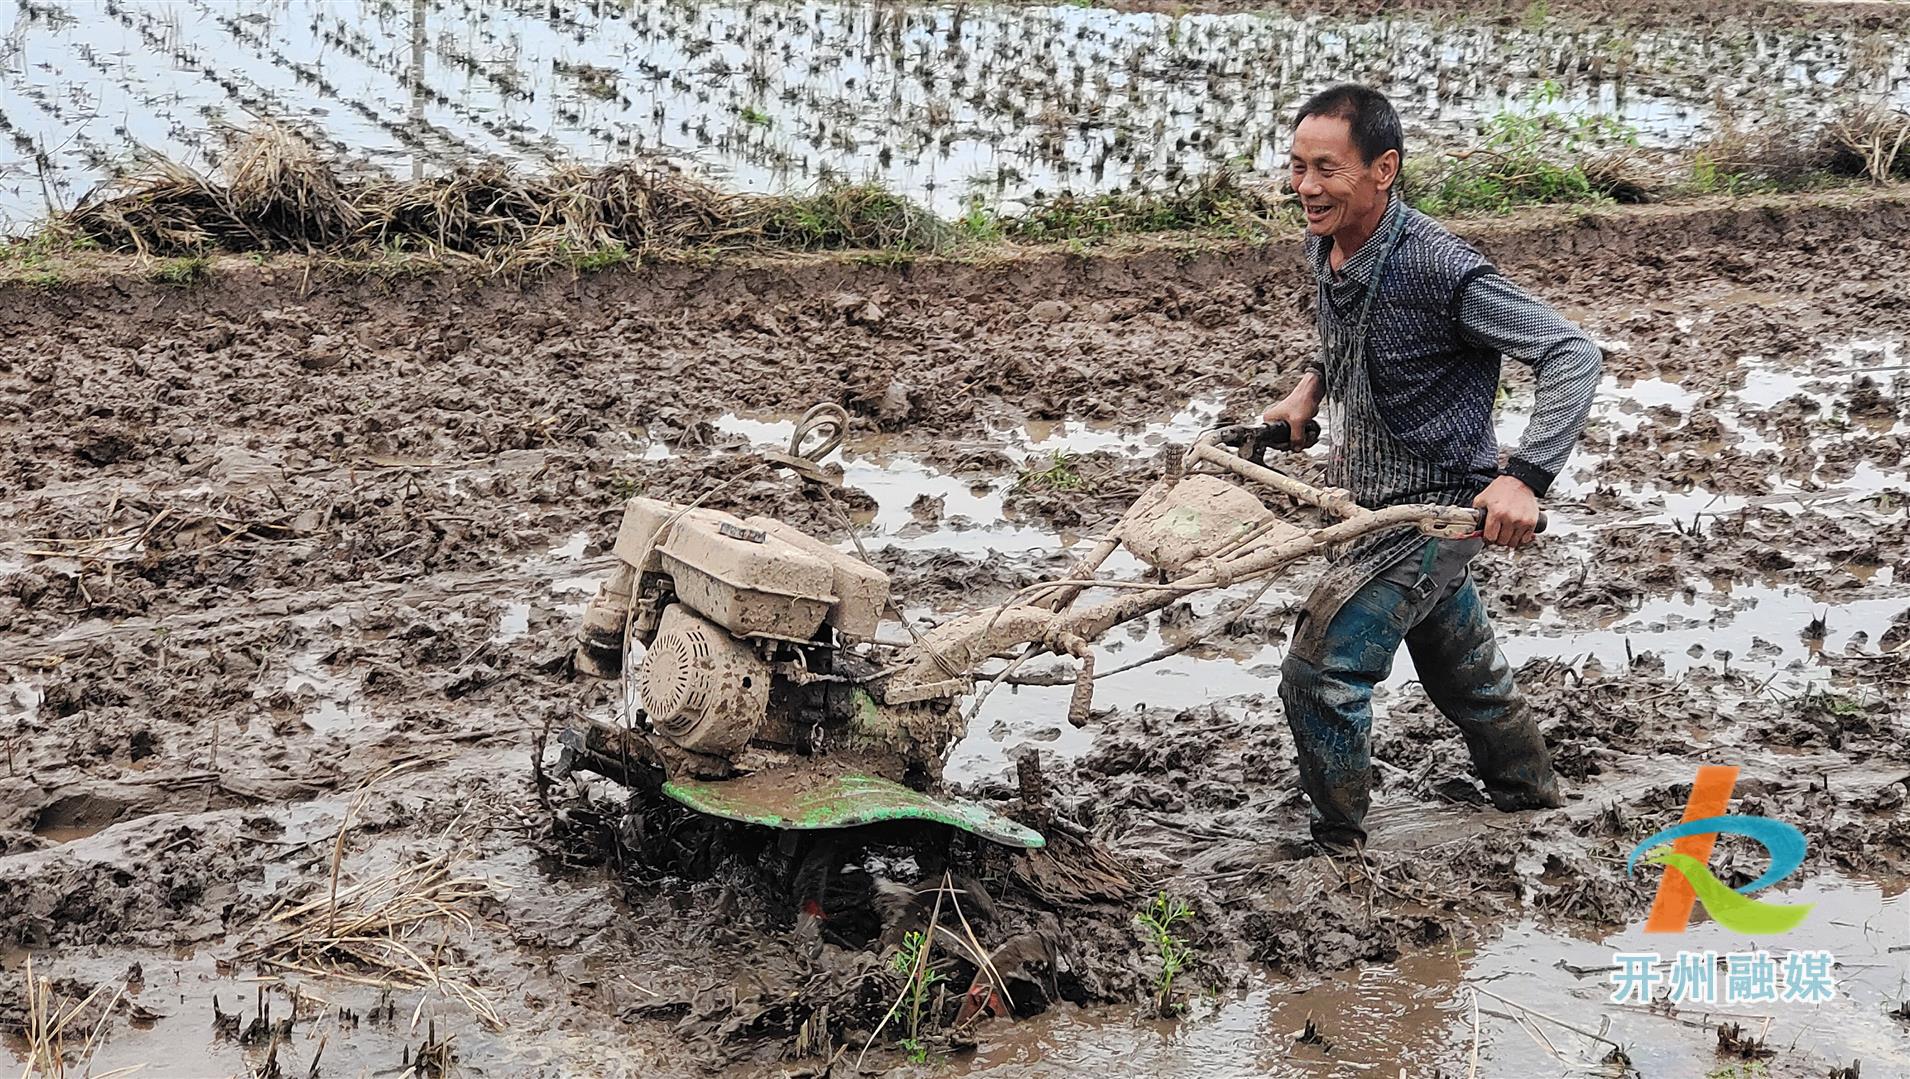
(954, 105)
(286, 559)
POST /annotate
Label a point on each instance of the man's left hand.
(1512, 512)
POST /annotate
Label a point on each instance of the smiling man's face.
(1340, 192)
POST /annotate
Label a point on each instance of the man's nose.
(1308, 183)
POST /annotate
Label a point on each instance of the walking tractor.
(759, 688)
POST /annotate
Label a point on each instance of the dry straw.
(277, 193)
(393, 931)
(55, 1025)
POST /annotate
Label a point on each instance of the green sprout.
(1159, 918)
(1060, 474)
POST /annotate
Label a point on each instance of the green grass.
(607, 257)
(184, 272)
(1159, 920)
(1217, 204)
(30, 261)
(624, 486)
(44, 245)
(979, 225)
(1059, 474)
(1750, 1069)
(753, 115)
(850, 216)
(1526, 156)
(1841, 706)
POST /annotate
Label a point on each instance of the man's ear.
(1386, 169)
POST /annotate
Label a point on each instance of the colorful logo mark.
(1684, 850)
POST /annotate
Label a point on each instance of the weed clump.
(912, 961)
(1061, 473)
(183, 272)
(839, 216)
(1218, 203)
(1160, 921)
(1871, 142)
(1535, 155)
(1746, 156)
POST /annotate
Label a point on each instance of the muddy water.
(1406, 1016)
(948, 103)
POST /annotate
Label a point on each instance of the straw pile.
(277, 193)
(391, 932)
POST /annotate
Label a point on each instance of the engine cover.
(702, 688)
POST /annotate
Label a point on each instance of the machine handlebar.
(1251, 441)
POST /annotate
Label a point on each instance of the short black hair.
(1375, 125)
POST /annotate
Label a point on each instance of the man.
(1413, 322)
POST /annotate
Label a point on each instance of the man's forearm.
(1311, 389)
(1498, 314)
(1567, 381)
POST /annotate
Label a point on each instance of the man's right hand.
(1297, 409)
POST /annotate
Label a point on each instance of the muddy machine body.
(759, 686)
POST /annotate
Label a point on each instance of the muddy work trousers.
(1427, 600)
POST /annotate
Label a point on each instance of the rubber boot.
(1467, 676)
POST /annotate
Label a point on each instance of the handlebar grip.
(1279, 435)
(1479, 516)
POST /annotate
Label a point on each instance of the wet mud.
(289, 558)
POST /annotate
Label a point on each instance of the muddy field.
(286, 549)
(953, 105)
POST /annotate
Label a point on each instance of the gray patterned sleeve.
(1495, 313)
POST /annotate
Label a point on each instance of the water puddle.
(166, 1028)
(969, 516)
(327, 700)
(572, 549)
(76, 817)
(513, 623)
(1413, 1016)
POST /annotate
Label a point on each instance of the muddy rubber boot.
(1327, 685)
(1467, 677)
(1331, 722)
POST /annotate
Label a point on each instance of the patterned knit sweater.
(1438, 327)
